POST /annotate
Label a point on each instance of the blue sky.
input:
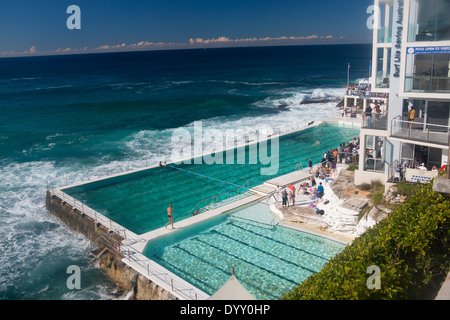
(31, 26)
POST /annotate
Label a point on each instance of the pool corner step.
(290, 178)
(263, 189)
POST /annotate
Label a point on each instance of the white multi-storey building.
(411, 63)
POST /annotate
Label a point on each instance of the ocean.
(65, 119)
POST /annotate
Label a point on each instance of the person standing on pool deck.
(310, 165)
(320, 191)
(278, 192)
(169, 213)
(284, 196)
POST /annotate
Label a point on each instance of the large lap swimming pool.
(138, 200)
(268, 260)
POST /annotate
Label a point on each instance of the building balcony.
(378, 121)
(420, 132)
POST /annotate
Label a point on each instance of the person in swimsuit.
(169, 213)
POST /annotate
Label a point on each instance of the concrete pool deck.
(259, 192)
(133, 245)
(150, 268)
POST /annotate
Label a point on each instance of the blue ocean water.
(64, 119)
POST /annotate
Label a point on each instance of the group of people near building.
(363, 90)
(309, 187)
(324, 171)
(346, 152)
(370, 113)
(400, 170)
(357, 90)
(417, 165)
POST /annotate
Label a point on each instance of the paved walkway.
(270, 186)
(444, 293)
(193, 220)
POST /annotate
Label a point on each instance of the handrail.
(399, 119)
(96, 216)
(131, 254)
(391, 170)
(214, 197)
(421, 130)
(126, 250)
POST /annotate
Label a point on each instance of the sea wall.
(128, 279)
(110, 262)
(75, 219)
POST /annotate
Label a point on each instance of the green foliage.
(365, 186)
(411, 247)
(377, 198)
(405, 188)
(374, 187)
(352, 167)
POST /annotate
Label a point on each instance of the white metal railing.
(94, 215)
(159, 275)
(215, 198)
(149, 267)
(378, 120)
(132, 255)
(419, 131)
(394, 173)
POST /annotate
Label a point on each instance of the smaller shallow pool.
(269, 260)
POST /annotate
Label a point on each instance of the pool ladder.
(214, 199)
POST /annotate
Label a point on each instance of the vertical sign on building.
(396, 102)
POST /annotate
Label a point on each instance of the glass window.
(438, 115)
(383, 67)
(385, 23)
(428, 73)
(414, 155)
(434, 158)
(374, 156)
(429, 20)
(407, 151)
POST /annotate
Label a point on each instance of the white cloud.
(103, 47)
(61, 50)
(254, 39)
(192, 43)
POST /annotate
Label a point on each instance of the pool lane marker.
(201, 175)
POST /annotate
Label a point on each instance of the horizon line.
(198, 43)
(92, 51)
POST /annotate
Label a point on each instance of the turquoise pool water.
(268, 260)
(138, 201)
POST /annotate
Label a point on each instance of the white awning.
(232, 290)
